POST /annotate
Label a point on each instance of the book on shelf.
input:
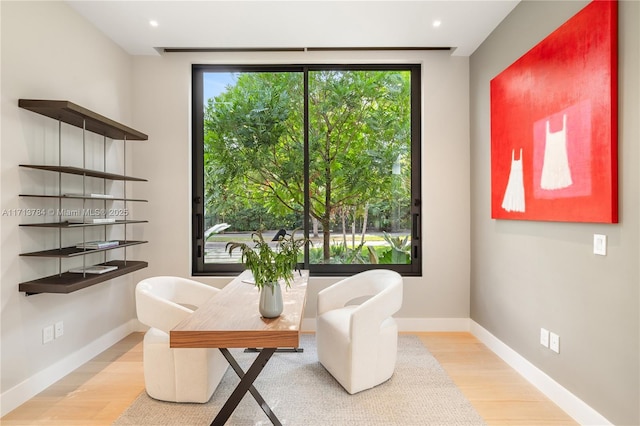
(92, 220)
(97, 244)
(89, 195)
(95, 269)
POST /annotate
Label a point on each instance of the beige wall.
(526, 275)
(49, 52)
(161, 91)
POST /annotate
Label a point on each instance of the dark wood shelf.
(89, 121)
(80, 197)
(74, 251)
(75, 115)
(79, 225)
(83, 172)
(69, 282)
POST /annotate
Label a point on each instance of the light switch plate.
(600, 244)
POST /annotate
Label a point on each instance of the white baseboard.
(571, 404)
(412, 324)
(433, 324)
(19, 394)
(137, 326)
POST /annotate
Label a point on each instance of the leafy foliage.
(400, 251)
(267, 264)
(359, 131)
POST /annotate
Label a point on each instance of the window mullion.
(307, 202)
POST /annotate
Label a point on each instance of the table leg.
(246, 384)
(299, 350)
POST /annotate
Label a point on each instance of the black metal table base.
(277, 350)
(246, 384)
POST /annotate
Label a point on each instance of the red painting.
(554, 125)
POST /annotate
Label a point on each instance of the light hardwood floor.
(500, 394)
(99, 391)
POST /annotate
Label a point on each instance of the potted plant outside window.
(270, 267)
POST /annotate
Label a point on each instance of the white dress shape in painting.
(513, 200)
(556, 173)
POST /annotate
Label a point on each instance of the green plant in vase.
(270, 266)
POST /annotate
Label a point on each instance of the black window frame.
(200, 268)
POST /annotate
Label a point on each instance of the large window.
(330, 151)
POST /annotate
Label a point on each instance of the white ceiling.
(295, 24)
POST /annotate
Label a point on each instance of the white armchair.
(177, 375)
(358, 343)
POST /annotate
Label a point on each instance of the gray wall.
(526, 275)
(161, 96)
(50, 52)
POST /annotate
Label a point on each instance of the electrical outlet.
(544, 337)
(554, 342)
(47, 334)
(58, 330)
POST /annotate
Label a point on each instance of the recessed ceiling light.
(436, 23)
(153, 23)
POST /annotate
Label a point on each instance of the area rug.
(301, 392)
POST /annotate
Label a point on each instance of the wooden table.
(231, 320)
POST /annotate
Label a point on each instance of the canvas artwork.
(554, 125)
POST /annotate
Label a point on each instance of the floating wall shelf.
(67, 281)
